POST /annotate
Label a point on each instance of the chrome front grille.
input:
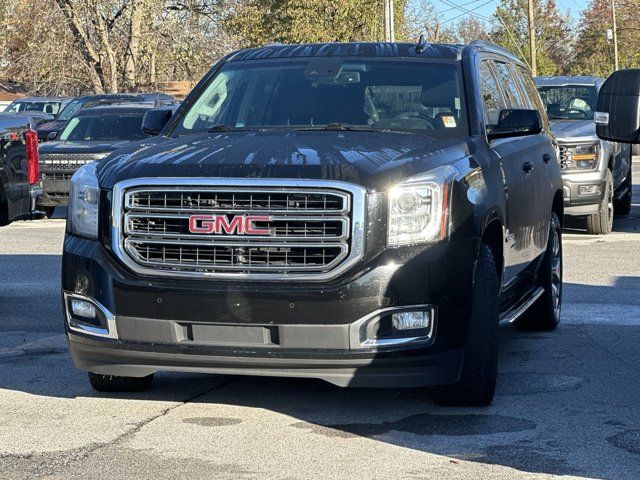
(306, 229)
(565, 157)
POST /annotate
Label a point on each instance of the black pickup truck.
(19, 177)
(363, 213)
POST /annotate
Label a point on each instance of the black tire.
(113, 383)
(545, 313)
(48, 211)
(477, 383)
(622, 206)
(601, 223)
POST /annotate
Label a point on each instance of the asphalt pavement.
(567, 401)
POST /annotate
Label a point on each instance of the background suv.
(89, 136)
(596, 173)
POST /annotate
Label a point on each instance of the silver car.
(596, 173)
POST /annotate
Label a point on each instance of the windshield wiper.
(222, 128)
(337, 126)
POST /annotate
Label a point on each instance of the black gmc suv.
(363, 213)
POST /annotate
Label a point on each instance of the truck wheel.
(544, 314)
(113, 383)
(477, 382)
(623, 205)
(601, 223)
(48, 211)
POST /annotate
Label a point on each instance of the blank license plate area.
(237, 335)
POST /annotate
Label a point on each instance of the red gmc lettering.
(235, 226)
(250, 229)
(206, 223)
(218, 224)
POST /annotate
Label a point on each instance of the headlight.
(419, 208)
(582, 157)
(83, 202)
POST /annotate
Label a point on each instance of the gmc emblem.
(219, 224)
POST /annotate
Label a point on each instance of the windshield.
(103, 128)
(569, 102)
(70, 110)
(50, 108)
(332, 93)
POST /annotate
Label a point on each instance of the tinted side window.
(530, 89)
(532, 92)
(491, 97)
(508, 86)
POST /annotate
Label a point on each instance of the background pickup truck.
(19, 177)
(596, 173)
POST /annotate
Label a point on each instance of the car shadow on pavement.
(565, 401)
(626, 224)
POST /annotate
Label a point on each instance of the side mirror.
(154, 120)
(52, 136)
(516, 123)
(617, 115)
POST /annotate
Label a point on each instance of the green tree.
(594, 47)
(553, 33)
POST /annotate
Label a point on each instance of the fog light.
(83, 309)
(411, 320)
(590, 190)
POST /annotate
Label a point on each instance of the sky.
(487, 7)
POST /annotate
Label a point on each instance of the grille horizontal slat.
(230, 201)
(68, 161)
(57, 175)
(236, 257)
(282, 228)
(308, 230)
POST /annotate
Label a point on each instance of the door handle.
(546, 157)
(527, 167)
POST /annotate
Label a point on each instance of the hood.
(372, 159)
(46, 128)
(574, 130)
(81, 147)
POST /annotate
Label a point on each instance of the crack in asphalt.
(60, 460)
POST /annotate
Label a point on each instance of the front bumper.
(578, 202)
(55, 192)
(35, 192)
(300, 329)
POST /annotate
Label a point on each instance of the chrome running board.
(515, 313)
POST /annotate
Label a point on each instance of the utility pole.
(615, 35)
(532, 40)
(389, 33)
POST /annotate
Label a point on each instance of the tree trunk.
(132, 52)
(152, 69)
(106, 53)
(88, 54)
